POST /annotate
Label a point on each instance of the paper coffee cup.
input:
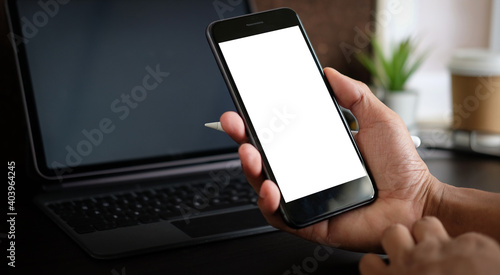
(475, 85)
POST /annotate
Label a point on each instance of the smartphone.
(291, 115)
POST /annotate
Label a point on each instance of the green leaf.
(393, 71)
(414, 67)
(386, 71)
(370, 65)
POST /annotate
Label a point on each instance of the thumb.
(357, 97)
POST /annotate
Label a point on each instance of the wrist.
(434, 197)
(464, 210)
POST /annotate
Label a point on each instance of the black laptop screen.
(115, 82)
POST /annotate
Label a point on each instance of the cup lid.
(475, 62)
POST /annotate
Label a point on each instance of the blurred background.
(338, 30)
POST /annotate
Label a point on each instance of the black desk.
(42, 248)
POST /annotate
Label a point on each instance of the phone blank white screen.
(300, 130)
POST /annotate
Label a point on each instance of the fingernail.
(262, 195)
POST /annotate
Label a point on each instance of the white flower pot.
(404, 103)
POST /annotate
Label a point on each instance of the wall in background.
(337, 30)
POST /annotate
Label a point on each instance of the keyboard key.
(84, 229)
(106, 212)
(147, 218)
(104, 226)
(126, 222)
(168, 215)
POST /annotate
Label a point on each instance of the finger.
(251, 163)
(269, 194)
(369, 111)
(233, 125)
(269, 201)
(347, 91)
(473, 243)
(397, 242)
(372, 264)
(356, 96)
(429, 227)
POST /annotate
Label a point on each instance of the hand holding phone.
(291, 115)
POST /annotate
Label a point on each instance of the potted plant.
(391, 74)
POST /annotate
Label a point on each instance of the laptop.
(117, 93)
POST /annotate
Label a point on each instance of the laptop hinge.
(215, 170)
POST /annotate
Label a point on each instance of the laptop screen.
(117, 83)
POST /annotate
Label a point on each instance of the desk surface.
(42, 248)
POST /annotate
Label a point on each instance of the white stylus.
(217, 126)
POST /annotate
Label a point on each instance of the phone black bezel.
(312, 208)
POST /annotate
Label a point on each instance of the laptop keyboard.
(106, 212)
